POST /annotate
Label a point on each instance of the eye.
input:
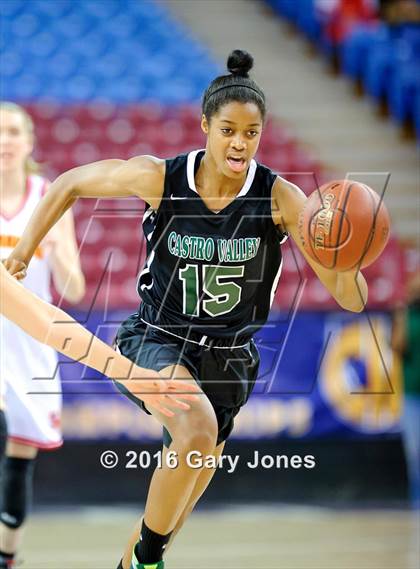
(226, 130)
(252, 133)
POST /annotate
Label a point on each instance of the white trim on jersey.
(149, 261)
(276, 282)
(147, 270)
(200, 343)
(191, 180)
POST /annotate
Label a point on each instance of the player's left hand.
(162, 394)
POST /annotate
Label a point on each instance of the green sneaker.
(135, 564)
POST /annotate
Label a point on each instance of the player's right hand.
(15, 267)
(162, 394)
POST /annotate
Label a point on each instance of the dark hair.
(237, 86)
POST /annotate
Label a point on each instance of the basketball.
(344, 225)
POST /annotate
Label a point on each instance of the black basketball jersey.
(215, 273)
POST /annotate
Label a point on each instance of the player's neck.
(212, 181)
(12, 183)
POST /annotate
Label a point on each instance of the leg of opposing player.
(15, 497)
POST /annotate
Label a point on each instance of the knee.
(17, 474)
(199, 434)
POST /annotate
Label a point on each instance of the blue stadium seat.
(355, 48)
(308, 21)
(119, 51)
(404, 92)
(417, 113)
(386, 55)
(288, 9)
(379, 62)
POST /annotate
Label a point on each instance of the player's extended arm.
(142, 176)
(54, 327)
(65, 262)
(348, 288)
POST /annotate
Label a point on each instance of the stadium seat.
(404, 91)
(356, 46)
(125, 56)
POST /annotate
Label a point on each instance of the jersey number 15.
(224, 294)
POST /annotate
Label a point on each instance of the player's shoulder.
(146, 171)
(264, 168)
(177, 163)
(146, 162)
(265, 177)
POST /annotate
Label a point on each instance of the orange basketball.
(344, 225)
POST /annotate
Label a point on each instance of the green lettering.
(221, 249)
(171, 244)
(209, 249)
(229, 251)
(200, 248)
(185, 246)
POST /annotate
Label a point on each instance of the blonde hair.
(31, 166)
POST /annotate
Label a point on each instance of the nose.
(238, 142)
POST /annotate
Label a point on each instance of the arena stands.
(379, 51)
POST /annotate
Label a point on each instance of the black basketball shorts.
(226, 375)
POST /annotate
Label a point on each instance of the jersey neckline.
(191, 159)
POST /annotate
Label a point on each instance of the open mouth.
(237, 164)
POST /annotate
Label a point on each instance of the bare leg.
(10, 538)
(171, 488)
(200, 486)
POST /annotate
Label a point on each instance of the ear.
(204, 124)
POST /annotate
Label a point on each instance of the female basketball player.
(33, 421)
(214, 222)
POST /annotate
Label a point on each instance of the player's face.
(233, 135)
(15, 142)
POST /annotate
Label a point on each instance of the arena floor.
(277, 538)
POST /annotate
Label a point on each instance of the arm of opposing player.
(142, 176)
(54, 327)
(65, 262)
(348, 288)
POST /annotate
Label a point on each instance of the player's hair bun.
(240, 62)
